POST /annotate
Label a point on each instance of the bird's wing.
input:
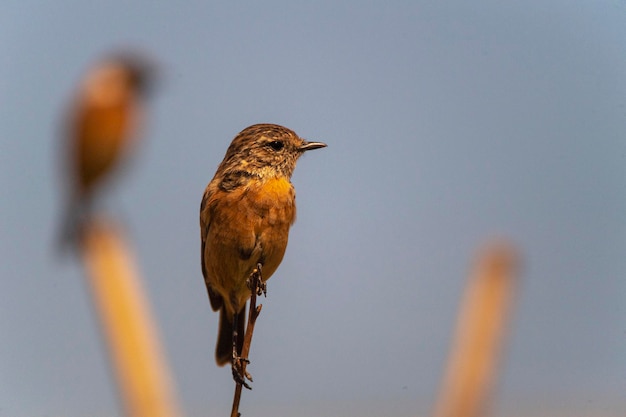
(205, 223)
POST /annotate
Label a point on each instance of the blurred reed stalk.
(142, 375)
(482, 326)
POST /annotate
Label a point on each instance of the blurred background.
(447, 123)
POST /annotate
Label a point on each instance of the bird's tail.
(70, 226)
(224, 348)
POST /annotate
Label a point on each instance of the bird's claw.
(240, 375)
(257, 276)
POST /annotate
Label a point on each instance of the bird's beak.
(307, 146)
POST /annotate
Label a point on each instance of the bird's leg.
(239, 369)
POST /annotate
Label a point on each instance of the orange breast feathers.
(274, 201)
(262, 203)
(102, 134)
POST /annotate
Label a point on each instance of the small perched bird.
(102, 127)
(245, 216)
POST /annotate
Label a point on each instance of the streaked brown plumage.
(245, 216)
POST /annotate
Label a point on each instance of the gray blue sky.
(447, 123)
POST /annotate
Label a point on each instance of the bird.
(246, 212)
(102, 127)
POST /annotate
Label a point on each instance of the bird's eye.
(276, 145)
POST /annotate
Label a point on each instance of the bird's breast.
(273, 201)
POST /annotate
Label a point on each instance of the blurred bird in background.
(102, 127)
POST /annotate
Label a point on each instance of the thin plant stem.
(255, 289)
